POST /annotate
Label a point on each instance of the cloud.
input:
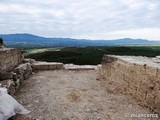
(104, 19)
(145, 33)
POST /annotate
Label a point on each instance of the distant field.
(145, 45)
(39, 50)
(90, 55)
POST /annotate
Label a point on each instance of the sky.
(87, 19)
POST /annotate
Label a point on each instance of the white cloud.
(146, 33)
(105, 19)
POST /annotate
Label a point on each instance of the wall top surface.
(153, 62)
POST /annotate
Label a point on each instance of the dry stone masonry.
(80, 67)
(9, 58)
(14, 68)
(138, 77)
(47, 66)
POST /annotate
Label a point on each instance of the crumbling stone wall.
(47, 66)
(14, 68)
(9, 58)
(139, 79)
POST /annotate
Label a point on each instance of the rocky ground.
(73, 95)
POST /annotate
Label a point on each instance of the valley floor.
(73, 95)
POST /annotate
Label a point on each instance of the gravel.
(73, 95)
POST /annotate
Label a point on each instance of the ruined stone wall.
(47, 66)
(138, 77)
(9, 58)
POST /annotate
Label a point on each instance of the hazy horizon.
(105, 19)
(75, 38)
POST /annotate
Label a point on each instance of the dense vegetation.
(93, 55)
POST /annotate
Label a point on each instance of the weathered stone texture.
(9, 58)
(79, 67)
(12, 80)
(29, 60)
(23, 71)
(6, 75)
(47, 66)
(9, 84)
(138, 77)
(12, 69)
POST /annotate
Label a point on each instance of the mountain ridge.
(25, 38)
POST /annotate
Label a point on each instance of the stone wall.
(13, 70)
(80, 67)
(47, 65)
(12, 80)
(138, 77)
(9, 58)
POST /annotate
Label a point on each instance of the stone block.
(147, 87)
(122, 67)
(106, 70)
(6, 83)
(141, 69)
(116, 64)
(116, 75)
(17, 84)
(151, 70)
(47, 66)
(141, 95)
(6, 75)
(108, 59)
(157, 104)
(125, 84)
(10, 85)
(10, 57)
(21, 77)
(157, 87)
(158, 75)
(150, 100)
(29, 60)
(132, 90)
(23, 71)
(82, 67)
(132, 71)
(12, 89)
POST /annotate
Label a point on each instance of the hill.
(29, 39)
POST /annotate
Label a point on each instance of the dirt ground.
(73, 95)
